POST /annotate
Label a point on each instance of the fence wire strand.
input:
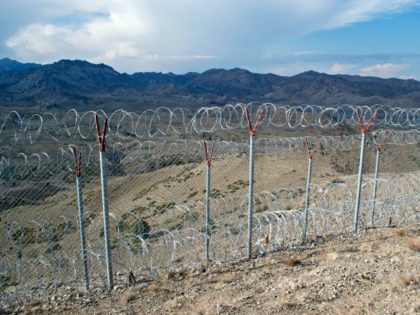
(156, 174)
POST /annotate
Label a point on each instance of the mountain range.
(83, 85)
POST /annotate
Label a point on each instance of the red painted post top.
(78, 160)
(309, 149)
(208, 154)
(363, 128)
(101, 134)
(253, 130)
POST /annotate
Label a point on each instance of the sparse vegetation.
(127, 297)
(235, 186)
(52, 247)
(413, 244)
(27, 193)
(415, 159)
(181, 219)
(291, 261)
(261, 208)
(216, 193)
(337, 181)
(6, 281)
(192, 194)
(233, 229)
(24, 235)
(406, 280)
(140, 228)
(159, 209)
(130, 223)
(154, 287)
(401, 233)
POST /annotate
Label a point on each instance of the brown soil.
(374, 272)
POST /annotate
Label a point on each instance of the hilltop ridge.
(83, 85)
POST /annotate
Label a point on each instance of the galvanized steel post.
(208, 179)
(364, 130)
(78, 158)
(208, 156)
(82, 230)
(375, 184)
(250, 196)
(106, 220)
(252, 133)
(308, 193)
(101, 140)
(359, 184)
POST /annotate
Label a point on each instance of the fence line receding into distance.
(69, 204)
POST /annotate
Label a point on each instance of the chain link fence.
(155, 174)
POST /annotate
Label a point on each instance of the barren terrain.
(375, 272)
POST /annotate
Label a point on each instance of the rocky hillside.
(80, 84)
(375, 272)
(7, 66)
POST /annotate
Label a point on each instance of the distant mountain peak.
(311, 73)
(81, 63)
(10, 65)
(7, 60)
(82, 84)
(222, 70)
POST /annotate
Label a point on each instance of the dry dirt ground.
(374, 272)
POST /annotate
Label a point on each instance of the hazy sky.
(367, 37)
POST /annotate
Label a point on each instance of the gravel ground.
(374, 272)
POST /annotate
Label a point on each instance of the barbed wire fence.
(161, 217)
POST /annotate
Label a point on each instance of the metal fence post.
(208, 196)
(375, 183)
(250, 196)
(78, 158)
(101, 140)
(364, 130)
(252, 133)
(310, 153)
(359, 184)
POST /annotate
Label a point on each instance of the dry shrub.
(203, 307)
(128, 297)
(174, 275)
(154, 287)
(33, 303)
(291, 261)
(203, 268)
(413, 244)
(401, 233)
(213, 305)
(228, 278)
(406, 280)
(369, 246)
(33, 307)
(355, 310)
(169, 276)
